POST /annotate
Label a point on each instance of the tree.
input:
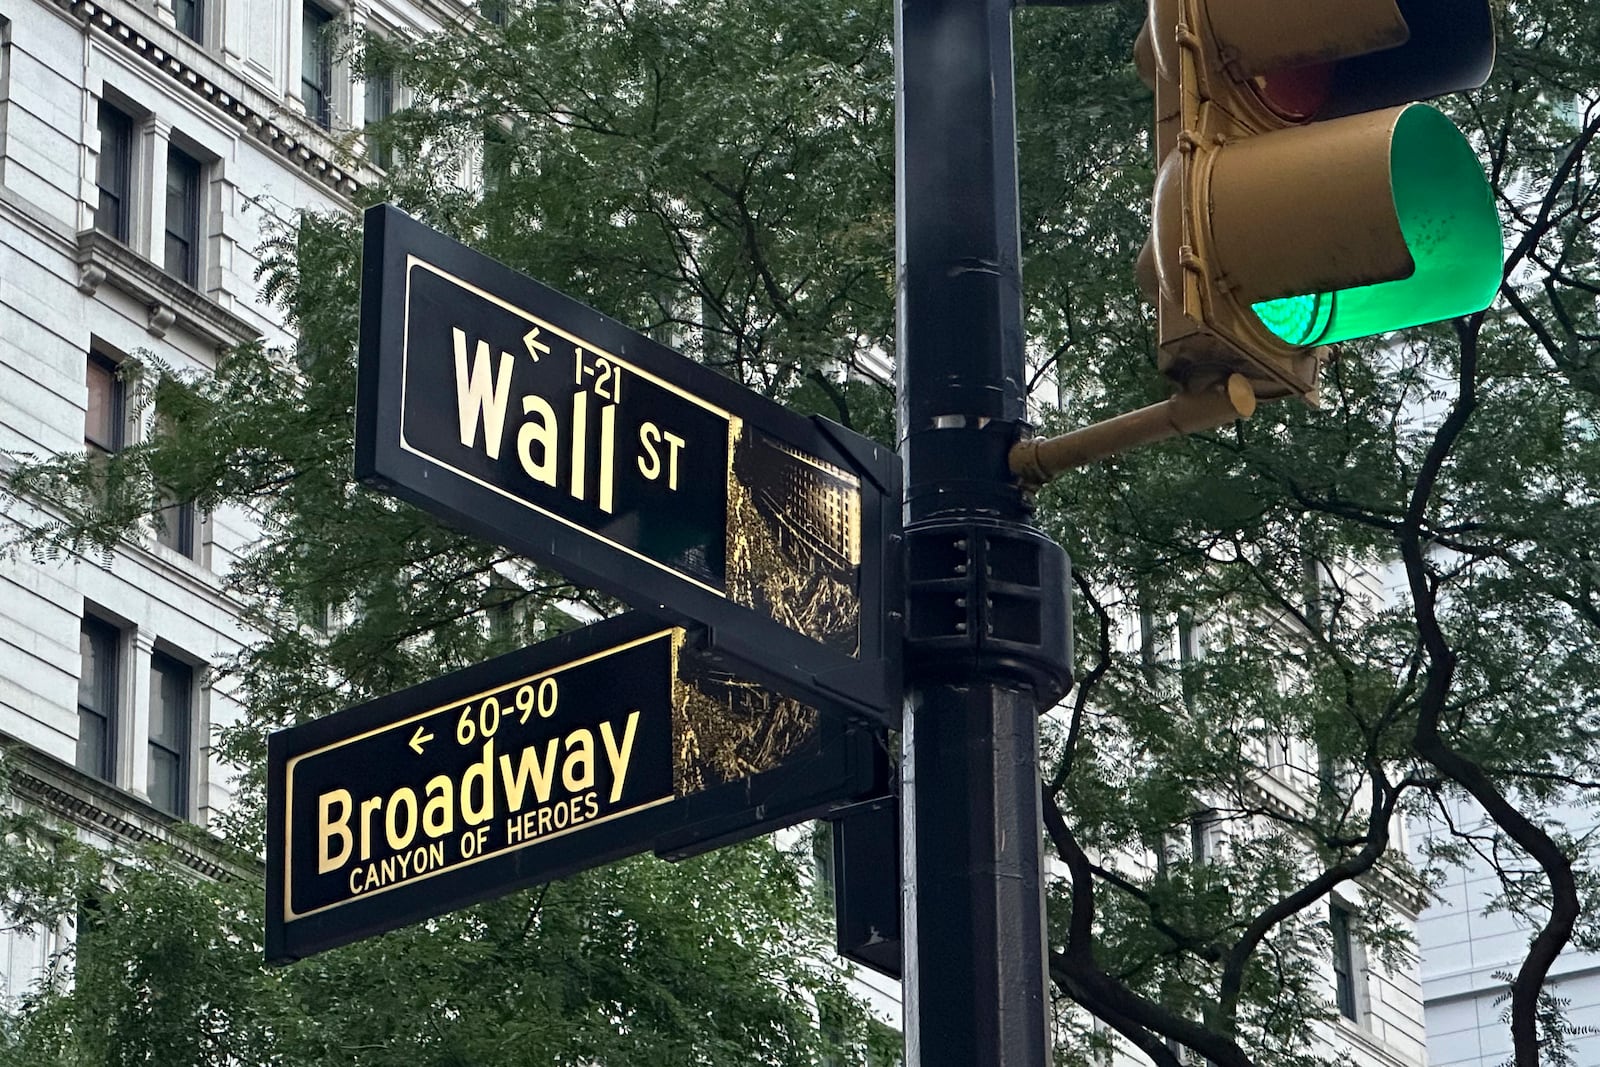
(725, 959)
(722, 173)
(1457, 463)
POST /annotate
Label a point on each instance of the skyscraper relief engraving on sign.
(555, 423)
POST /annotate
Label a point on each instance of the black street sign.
(537, 423)
(598, 744)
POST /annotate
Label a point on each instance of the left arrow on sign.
(419, 739)
(534, 345)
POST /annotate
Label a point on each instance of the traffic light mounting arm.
(1037, 460)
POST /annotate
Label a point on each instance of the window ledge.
(105, 259)
(192, 67)
(123, 817)
(1358, 1034)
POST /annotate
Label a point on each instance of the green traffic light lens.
(1447, 215)
(1300, 320)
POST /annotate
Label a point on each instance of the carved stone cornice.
(1390, 877)
(288, 135)
(97, 807)
(102, 259)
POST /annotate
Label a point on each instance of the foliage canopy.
(1293, 633)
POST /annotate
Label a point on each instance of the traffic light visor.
(1447, 215)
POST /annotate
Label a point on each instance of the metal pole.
(986, 614)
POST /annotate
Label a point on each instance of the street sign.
(538, 423)
(598, 744)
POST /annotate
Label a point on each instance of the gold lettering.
(482, 771)
(580, 431)
(439, 814)
(406, 796)
(672, 459)
(542, 433)
(368, 809)
(648, 436)
(328, 828)
(618, 756)
(531, 767)
(608, 457)
(580, 752)
(477, 398)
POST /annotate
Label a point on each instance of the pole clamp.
(988, 599)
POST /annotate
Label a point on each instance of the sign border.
(804, 788)
(745, 641)
(429, 710)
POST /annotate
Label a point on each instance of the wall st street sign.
(540, 424)
(608, 741)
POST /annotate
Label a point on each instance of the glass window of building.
(380, 105)
(191, 19)
(175, 523)
(98, 645)
(181, 256)
(114, 173)
(171, 691)
(104, 415)
(316, 64)
(1344, 976)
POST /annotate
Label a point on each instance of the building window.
(498, 153)
(5, 84)
(175, 523)
(115, 172)
(175, 517)
(1205, 835)
(98, 646)
(181, 256)
(316, 64)
(1188, 659)
(171, 691)
(1344, 975)
(380, 105)
(104, 418)
(822, 862)
(191, 19)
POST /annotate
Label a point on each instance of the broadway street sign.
(608, 741)
(538, 423)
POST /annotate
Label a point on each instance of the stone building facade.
(147, 148)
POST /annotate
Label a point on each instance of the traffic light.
(1301, 196)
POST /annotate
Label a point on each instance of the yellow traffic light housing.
(1293, 206)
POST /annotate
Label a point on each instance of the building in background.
(1378, 1017)
(1469, 953)
(146, 149)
